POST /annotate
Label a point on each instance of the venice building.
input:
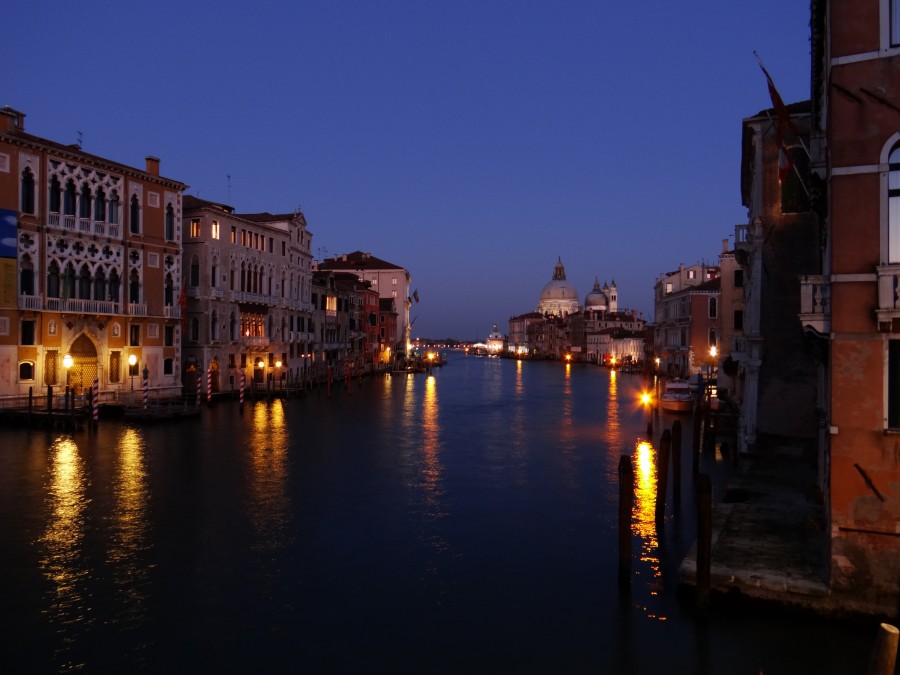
(248, 306)
(92, 270)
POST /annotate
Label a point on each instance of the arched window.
(53, 280)
(195, 272)
(26, 371)
(232, 327)
(134, 215)
(68, 290)
(713, 308)
(195, 329)
(134, 287)
(26, 276)
(53, 193)
(169, 292)
(894, 205)
(214, 326)
(69, 199)
(100, 285)
(170, 222)
(100, 206)
(84, 206)
(114, 286)
(84, 283)
(114, 208)
(27, 191)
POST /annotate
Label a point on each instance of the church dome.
(558, 297)
(597, 299)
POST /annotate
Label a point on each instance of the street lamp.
(67, 363)
(132, 361)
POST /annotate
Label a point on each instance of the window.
(692, 274)
(114, 209)
(27, 191)
(739, 278)
(893, 378)
(26, 371)
(135, 215)
(84, 204)
(214, 233)
(26, 277)
(169, 336)
(134, 335)
(53, 194)
(195, 329)
(69, 199)
(100, 206)
(895, 23)
(27, 332)
(169, 366)
(894, 205)
(115, 366)
(195, 227)
(738, 319)
(668, 287)
(195, 272)
(170, 223)
(713, 308)
(794, 197)
(233, 234)
(134, 288)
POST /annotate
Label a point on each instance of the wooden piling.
(626, 507)
(704, 538)
(884, 654)
(676, 462)
(30, 406)
(695, 445)
(662, 474)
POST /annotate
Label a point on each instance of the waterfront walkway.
(769, 541)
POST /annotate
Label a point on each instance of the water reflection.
(431, 445)
(129, 536)
(644, 521)
(269, 503)
(67, 603)
(613, 428)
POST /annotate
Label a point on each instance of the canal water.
(463, 522)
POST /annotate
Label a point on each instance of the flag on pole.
(416, 295)
(781, 111)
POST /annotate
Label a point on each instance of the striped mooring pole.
(241, 393)
(198, 388)
(209, 386)
(95, 401)
(146, 386)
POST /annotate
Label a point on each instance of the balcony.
(82, 306)
(255, 341)
(888, 311)
(137, 309)
(84, 225)
(172, 312)
(33, 302)
(815, 304)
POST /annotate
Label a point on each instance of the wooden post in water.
(676, 462)
(695, 446)
(626, 507)
(704, 538)
(30, 404)
(662, 474)
(884, 655)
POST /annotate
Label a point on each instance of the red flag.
(781, 111)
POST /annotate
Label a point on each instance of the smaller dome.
(597, 299)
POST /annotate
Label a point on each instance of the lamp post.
(67, 363)
(132, 361)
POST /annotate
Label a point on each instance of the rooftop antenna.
(228, 176)
(80, 138)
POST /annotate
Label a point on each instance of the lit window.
(195, 227)
(894, 205)
(215, 229)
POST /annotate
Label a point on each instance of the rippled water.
(464, 522)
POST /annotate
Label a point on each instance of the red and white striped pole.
(209, 385)
(198, 387)
(146, 386)
(95, 401)
(241, 394)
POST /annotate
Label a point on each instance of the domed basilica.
(559, 297)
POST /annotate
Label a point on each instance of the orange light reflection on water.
(269, 506)
(644, 518)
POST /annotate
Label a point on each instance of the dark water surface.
(464, 522)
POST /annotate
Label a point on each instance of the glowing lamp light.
(132, 359)
(568, 357)
(713, 352)
(261, 364)
(278, 363)
(67, 361)
(645, 398)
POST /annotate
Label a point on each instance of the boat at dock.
(677, 396)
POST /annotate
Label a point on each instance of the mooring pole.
(662, 474)
(676, 463)
(704, 538)
(626, 507)
(884, 655)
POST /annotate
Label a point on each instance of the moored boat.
(677, 396)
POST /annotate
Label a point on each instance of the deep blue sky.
(473, 143)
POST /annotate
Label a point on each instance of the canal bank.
(769, 539)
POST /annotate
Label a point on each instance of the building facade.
(248, 309)
(92, 268)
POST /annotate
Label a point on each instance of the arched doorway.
(189, 376)
(84, 366)
(214, 372)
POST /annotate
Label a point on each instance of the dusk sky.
(473, 143)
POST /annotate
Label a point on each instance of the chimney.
(152, 165)
(13, 119)
(724, 246)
